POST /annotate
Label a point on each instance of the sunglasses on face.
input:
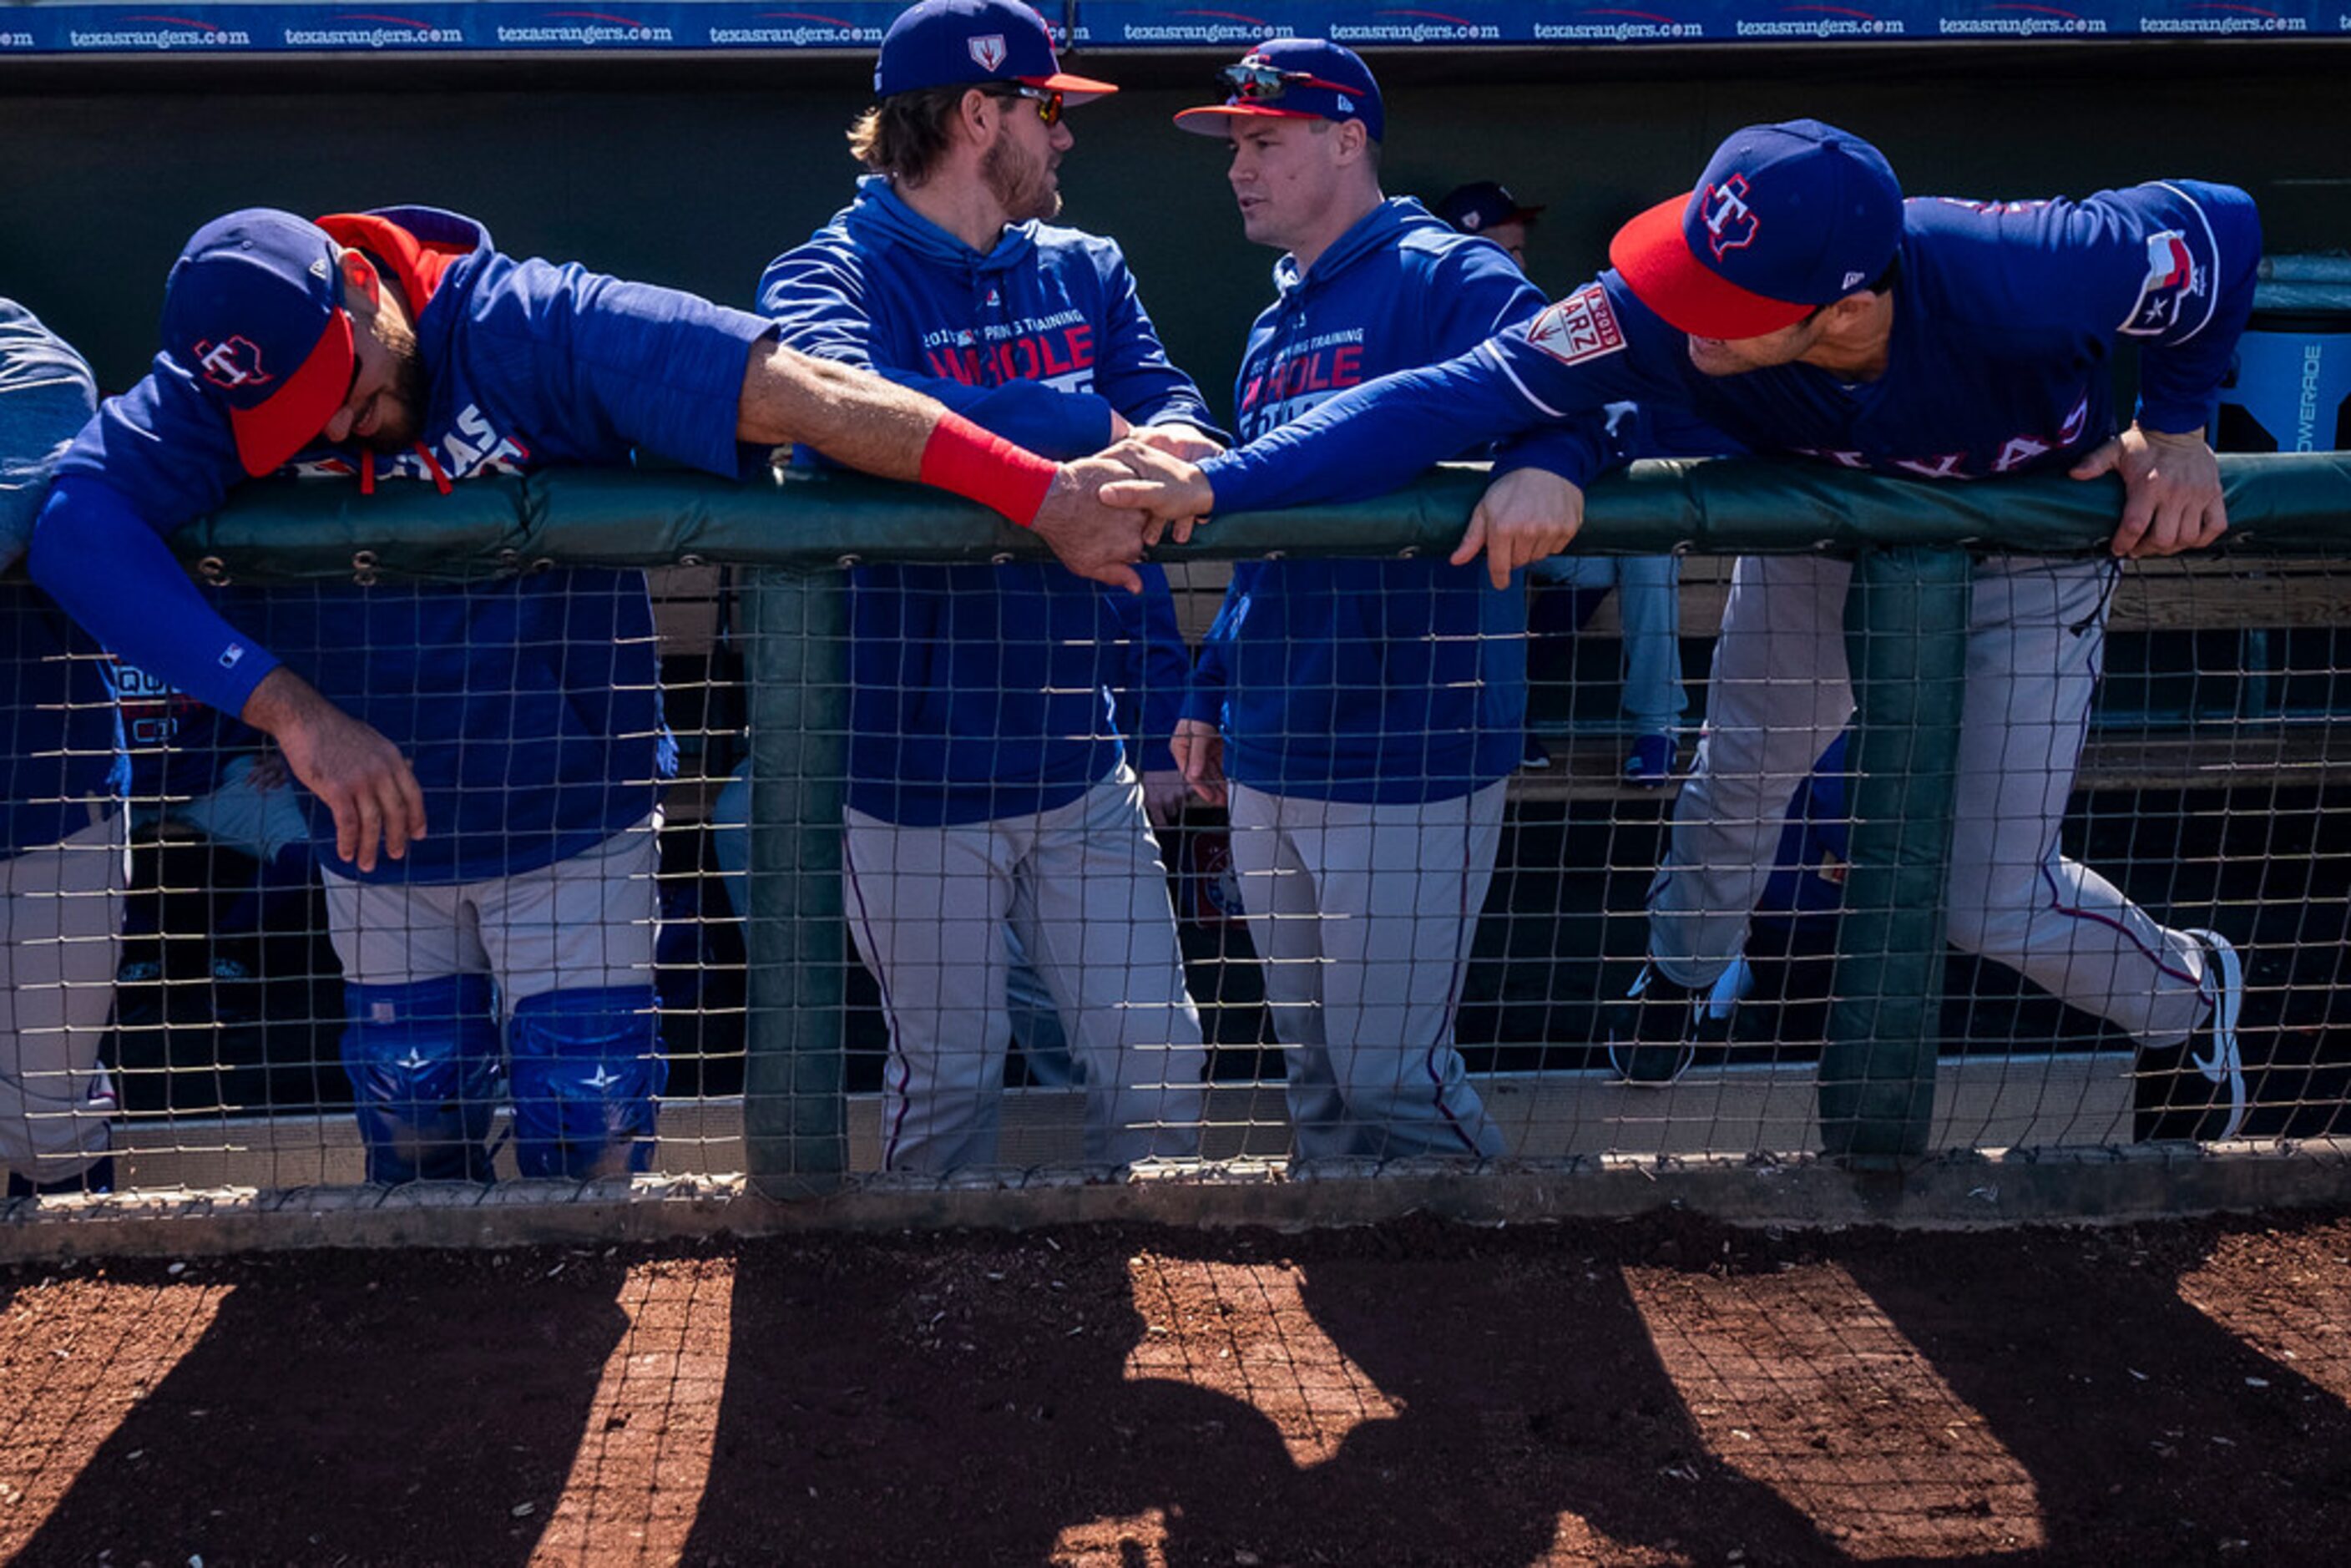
(1048, 102)
(1264, 84)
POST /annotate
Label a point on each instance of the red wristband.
(962, 457)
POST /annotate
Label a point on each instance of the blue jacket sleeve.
(46, 395)
(818, 298)
(1150, 692)
(1572, 360)
(108, 568)
(1212, 670)
(2188, 350)
(2170, 264)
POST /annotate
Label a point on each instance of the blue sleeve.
(2190, 332)
(1480, 292)
(46, 395)
(109, 570)
(1150, 694)
(615, 365)
(2170, 264)
(1132, 368)
(819, 300)
(1212, 670)
(1574, 358)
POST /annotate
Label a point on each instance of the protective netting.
(1339, 959)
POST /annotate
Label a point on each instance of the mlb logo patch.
(987, 51)
(1579, 327)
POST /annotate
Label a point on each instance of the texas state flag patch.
(1579, 327)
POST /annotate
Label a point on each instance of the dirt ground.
(1659, 1391)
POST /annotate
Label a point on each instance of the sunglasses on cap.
(1263, 83)
(1048, 103)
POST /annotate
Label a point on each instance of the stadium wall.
(696, 171)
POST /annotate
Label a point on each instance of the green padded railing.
(1907, 625)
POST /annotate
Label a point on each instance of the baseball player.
(1365, 712)
(519, 719)
(61, 843)
(1795, 302)
(987, 781)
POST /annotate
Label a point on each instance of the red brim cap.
(269, 434)
(1074, 91)
(1209, 120)
(1654, 259)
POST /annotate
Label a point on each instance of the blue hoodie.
(528, 707)
(985, 692)
(1369, 680)
(60, 739)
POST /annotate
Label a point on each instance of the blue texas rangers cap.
(947, 43)
(1786, 218)
(253, 309)
(1294, 78)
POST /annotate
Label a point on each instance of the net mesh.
(1280, 975)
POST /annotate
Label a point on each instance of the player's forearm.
(115, 576)
(862, 421)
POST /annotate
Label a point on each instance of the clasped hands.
(1116, 505)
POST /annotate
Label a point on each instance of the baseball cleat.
(1653, 1036)
(2208, 1104)
(2213, 1047)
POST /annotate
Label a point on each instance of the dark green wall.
(696, 173)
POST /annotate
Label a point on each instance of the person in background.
(1648, 587)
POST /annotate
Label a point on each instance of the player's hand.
(362, 777)
(2171, 491)
(1167, 489)
(1163, 795)
(1524, 515)
(1091, 539)
(1200, 751)
(1176, 440)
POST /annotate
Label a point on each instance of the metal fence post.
(795, 1127)
(1906, 644)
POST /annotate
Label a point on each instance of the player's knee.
(423, 1060)
(588, 1068)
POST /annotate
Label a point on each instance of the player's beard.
(402, 423)
(1023, 187)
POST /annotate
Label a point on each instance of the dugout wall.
(696, 173)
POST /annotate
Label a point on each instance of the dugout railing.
(789, 541)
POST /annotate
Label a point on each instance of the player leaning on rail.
(1797, 303)
(520, 718)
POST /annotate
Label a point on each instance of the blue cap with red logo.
(254, 310)
(947, 43)
(1787, 218)
(1294, 78)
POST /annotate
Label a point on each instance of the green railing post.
(1906, 644)
(795, 1127)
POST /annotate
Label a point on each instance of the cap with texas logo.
(1787, 218)
(948, 42)
(252, 310)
